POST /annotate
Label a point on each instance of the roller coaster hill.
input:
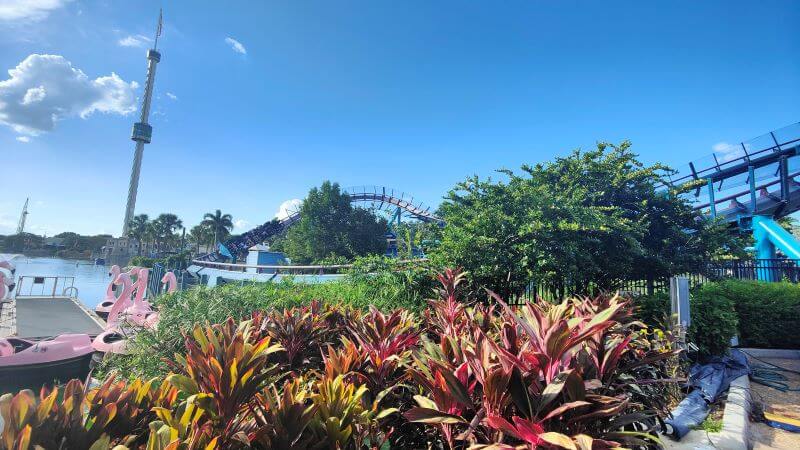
(396, 205)
(749, 185)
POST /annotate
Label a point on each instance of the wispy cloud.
(172, 96)
(727, 152)
(236, 46)
(241, 224)
(138, 40)
(24, 139)
(28, 10)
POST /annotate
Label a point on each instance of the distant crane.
(22, 217)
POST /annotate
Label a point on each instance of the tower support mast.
(22, 218)
(142, 131)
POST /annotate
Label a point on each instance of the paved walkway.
(782, 403)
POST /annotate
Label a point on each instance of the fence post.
(679, 302)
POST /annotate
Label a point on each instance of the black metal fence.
(755, 269)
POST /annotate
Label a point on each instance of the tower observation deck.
(142, 131)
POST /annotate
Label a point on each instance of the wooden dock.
(35, 317)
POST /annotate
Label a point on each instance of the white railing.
(44, 286)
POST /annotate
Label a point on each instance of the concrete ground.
(782, 403)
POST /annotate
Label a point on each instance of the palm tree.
(165, 227)
(221, 224)
(137, 229)
(200, 234)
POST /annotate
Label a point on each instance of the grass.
(711, 425)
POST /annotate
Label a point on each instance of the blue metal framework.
(766, 166)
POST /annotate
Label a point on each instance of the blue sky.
(415, 95)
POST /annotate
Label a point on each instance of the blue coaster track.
(750, 185)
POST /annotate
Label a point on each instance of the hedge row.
(763, 314)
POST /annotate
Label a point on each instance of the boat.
(104, 306)
(29, 364)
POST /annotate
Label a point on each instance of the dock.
(47, 314)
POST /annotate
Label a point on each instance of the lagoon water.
(90, 280)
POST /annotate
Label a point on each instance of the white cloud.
(288, 207)
(34, 95)
(28, 9)
(23, 139)
(172, 96)
(727, 152)
(137, 40)
(241, 224)
(236, 45)
(44, 89)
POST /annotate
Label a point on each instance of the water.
(90, 280)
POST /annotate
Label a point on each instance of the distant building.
(124, 247)
(260, 255)
(54, 242)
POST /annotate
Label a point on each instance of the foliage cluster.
(176, 261)
(330, 226)
(768, 313)
(594, 217)
(714, 317)
(578, 375)
(183, 310)
(70, 244)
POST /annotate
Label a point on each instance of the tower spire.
(142, 131)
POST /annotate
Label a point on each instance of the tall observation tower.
(142, 131)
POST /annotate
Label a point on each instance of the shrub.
(769, 313)
(579, 374)
(653, 310)
(713, 320)
(181, 311)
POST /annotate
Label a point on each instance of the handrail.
(276, 267)
(43, 282)
(70, 288)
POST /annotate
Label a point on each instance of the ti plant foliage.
(583, 374)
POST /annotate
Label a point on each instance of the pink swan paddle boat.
(141, 309)
(27, 364)
(115, 337)
(7, 265)
(104, 307)
(171, 285)
(6, 285)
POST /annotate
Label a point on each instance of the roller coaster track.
(755, 177)
(375, 197)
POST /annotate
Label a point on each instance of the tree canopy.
(219, 223)
(592, 218)
(329, 226)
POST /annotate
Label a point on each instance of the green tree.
(200, 234)
(329, 226)
(589, 220)
(220, 224)
(164, 228)
(138, 228)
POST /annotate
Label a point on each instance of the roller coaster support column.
(711, 202)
